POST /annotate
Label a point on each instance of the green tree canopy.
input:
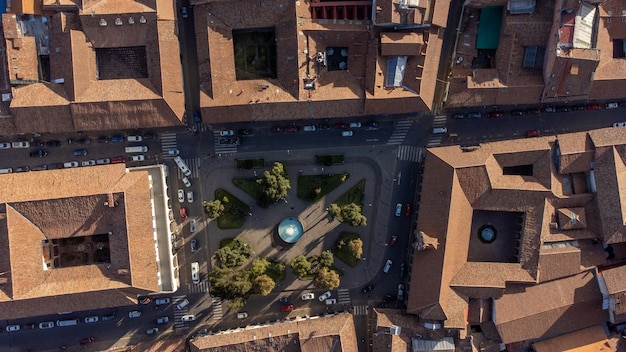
(263, 284)
(301, 266)
(214, 209)
(356, 247)
(326, 278)
(350, 213)
(275, 183)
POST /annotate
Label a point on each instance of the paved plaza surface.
(320, 230)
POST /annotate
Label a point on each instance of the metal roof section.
(583, 27)
(395, 71)
(489, 28)
(444, 345)
(520, 7)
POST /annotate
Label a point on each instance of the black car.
(284, 299)
(103, 139)
(458, 116)
(388, 298)
(22, 169)
(39, 153)
(84, 141)
(53, 143)
(150, 136)
(324, 126)
(371, 125)
(244, 132)
(517, 113)
(579, 107)
(194, 245)
(41, 167)
(367, 289)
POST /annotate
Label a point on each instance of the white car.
(355, 125)
(619, 124)
(346, 134)
(88, 163)
(309, 128)
(195, 272)
(152, 331)
(192, 226)
(5, 145)
(190, 196)
(308, 296)
(188, 317)
(92, 319)
(21, 144)
(163, 320)
(400, 295)
(46, 325)
(324, 296)
(186, 182)
(387, 266)
(173, 152)
(161, 301)
(134, 138)
(226, 133)
(181, 195)
(242, 315)
(331, 301)
(134, 314)
(70, 164)
(103, 161)
(13, 328)
(398, 209)
(612, 105)
(137, 158)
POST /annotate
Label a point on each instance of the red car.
(118, 159)
(286, 307)
(183, 213)
(494, 114)
(409, 207)
(291, 128)
(533, 133)
(340, 125)
(394, 241)
(87, 341)
(594, 107)
(275, 129)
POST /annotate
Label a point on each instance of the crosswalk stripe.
(400, 131)
(359, 310)
(217, 313)
(198, 288)
(168, 142)
(434, 141)
(343, 296)
(408, 152)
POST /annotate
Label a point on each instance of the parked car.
(70, 164)
(190, 196)
(39, 153)
(194, 245)
(152, 331)
(162, 320)
(308, 296)
(355, 125)
(594, 107)
(134, 138)
(309, 128)
(103, 139)
(458, 116)
(494, 114)
(533, 133)
(276, 129)
(84, 141)
(11, 328)
(400, 295)
(394, 241)
(20, 144)
(183, 213)
(347, 134)
(387, 266)
(340, 125)
(117, 139)
(22, 169)
(137, 158)
(549, 109)
(108, 317)
(563, 109)
(533, 111)
(41, 167)
(284, 299)
(324, 296)
(398, 209)
(184, 12)
(92, 319)
(242, 315)
(226, 133)
(118, 159)
(181, 195)
(474, 115)
(29, 326)
(46, 325)
(88, 163)
(619, 124)
(612, 105)
(402, 270)
(286, 307)
(192, 226)
(186, 182)
(53, 143)
(324, 126)
(517, 113)
(196, 116)
(80, 152)
(134, 314)
(150, 137)
(371, 125)
(5, 145)
(188, 318)
(88, 340)
(162, 301)
(408, 210)
(291, 128)
(367, 288)
(103, 161)
(579, 107)
(388, 298)
(245, 132)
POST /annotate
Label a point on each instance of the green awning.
(489, 28)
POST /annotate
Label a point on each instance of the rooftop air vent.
(118, 21)
(142, 19)
(131, 20)
(103, 22)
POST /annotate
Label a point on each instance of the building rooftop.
(72, 235)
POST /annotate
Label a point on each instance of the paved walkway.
(321, 231)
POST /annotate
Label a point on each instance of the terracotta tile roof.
(384, 340)
(21, 52)
(558, 262)
(577, 152)
(77, 196)
(398, 43)
(615, 279)
(586, 340)
(357, 91)
(104, 104)
(479, 311)
(575, 303)
(307, 335)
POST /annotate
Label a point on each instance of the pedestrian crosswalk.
(168, 142)
(194, 166)
(216, 312)
(435, 140)
(198, 288)
(225, 145)
(400, 131)
(201, 126)
(409, 153)
(179, 313)
(359, 310)
(440, 121)
(343, 296)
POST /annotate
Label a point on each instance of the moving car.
(371, 125)
(195, 272)
(184, 12)
(284, 299)
(173, 152)
(188, 318)
(192, 226)
(194, 245)
(242, 315)
(286, 307)
(394, 241)
(308, 296)
(408, 209)
(39, 153)
(162, 320)
(181, 195)
(324, 296)
(347, 134)
(134, 314)
(137, 158)
(190, 196)
(186, 182)
(152, 331)
(196, 116)
(80, 152)
(367, 289)
(226, 133)
(398, 209)
(400, 295)
(92, 319)
(182, 304)
(387, 266)
(245, 132)
(331, 301)
(162, 301)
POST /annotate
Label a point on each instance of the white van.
(195, 272)
(8, 170)
(181, 165)
(137, 149)
(69, 322)
(440, 130)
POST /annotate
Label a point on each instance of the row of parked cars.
(62, 322)
(535, 111)
(323, 126)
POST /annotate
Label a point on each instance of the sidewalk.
(320, 231)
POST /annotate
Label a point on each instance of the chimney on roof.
(110, 201)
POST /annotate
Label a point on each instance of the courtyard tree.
(275, 183)
(214, 209)
(229, 283)
(258, 267)
(235, 254)
(350, 213)
(355, 246)
(263, 284)
(301, 266)
(327, 279)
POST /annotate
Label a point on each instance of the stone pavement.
(372, 164)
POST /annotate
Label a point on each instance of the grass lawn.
(343, 252)
(328, 160)
(250, 163)
(353, 195)
(235, 210)
(309, 183)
